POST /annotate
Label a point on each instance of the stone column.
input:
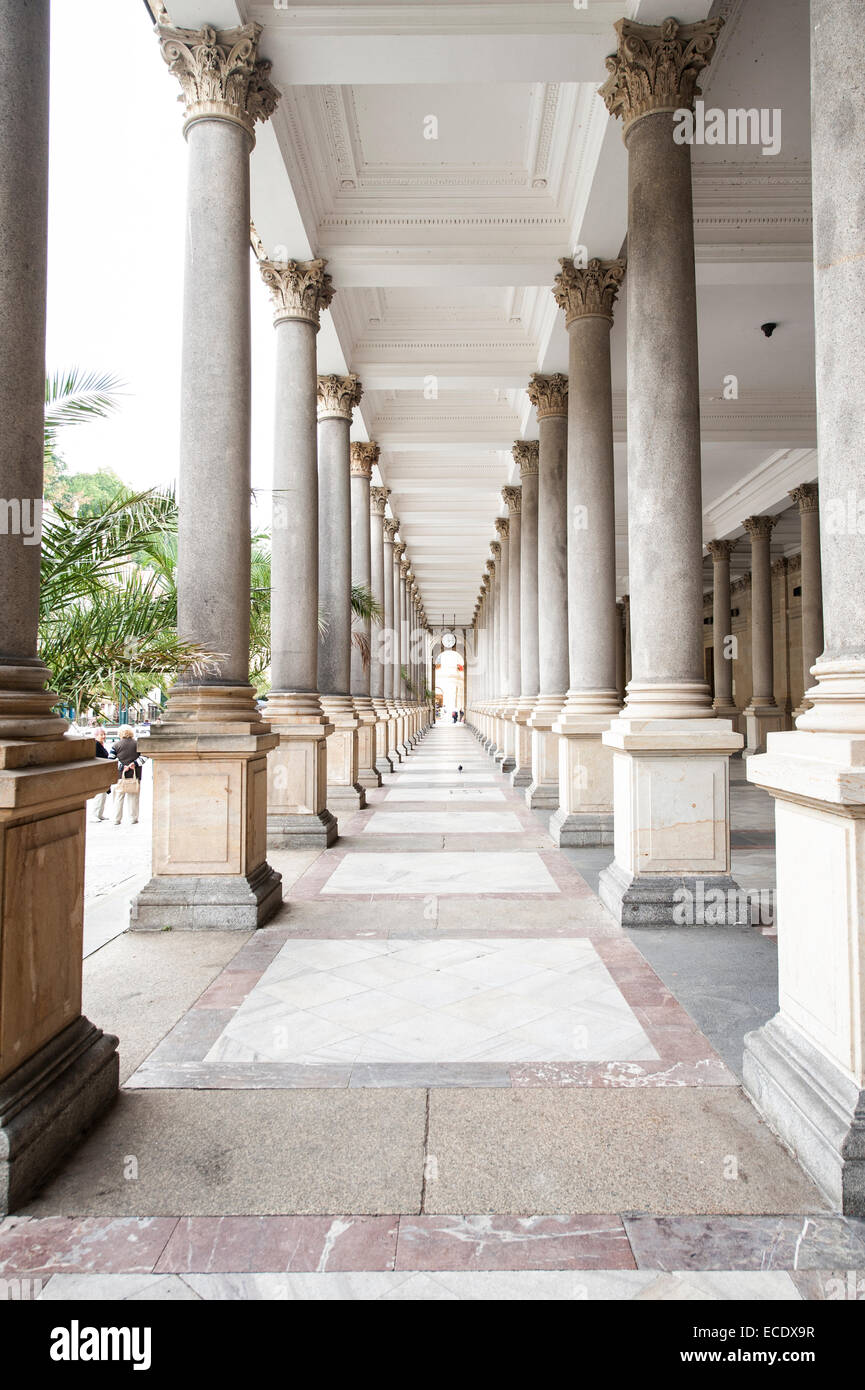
(363, 457)
(806, 498)
(58, 1072)
(337, 397)
(512, 498)
(504, 727)
(723, 645)
(626, 611)
(671, 755)
(525, 453)
(210, 752)
(549, 395)
(762, 715)
(495, 651)
(391, 651)
(297, 814)
(585, 812)
(379, 677)
(399, 644)
(805, 1069)
(620, 650)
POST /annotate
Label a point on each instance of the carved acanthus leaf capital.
(590, 291)
(549, 394)
(513, 499)
(720, 550)
(759, 527)
(220, 76)
(403, 567)
(806, 497)
(503, 527)
(399, 551)
(337, 396)
(656, 67)
(526, 454)
(363, 457)
(391, 526)
(496, 548)
(378, 500)
(298, 289)
(779, 566)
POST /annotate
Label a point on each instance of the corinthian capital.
(759, 526)
(656, 66)
(590, 291)
(220, 76)
(513, 499)
(549, 394)
(525, 452)
(720, 550)
(503, 527)
(496, 549)
(363, 456)
(378, 500)
(399, 551)
(298, 289)
(391, 526)
(806, 497)
(337, 396)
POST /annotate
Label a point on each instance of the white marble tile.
(435, 1286)
(452, 794)
(443, 823)
(444, 779)
(437, 1001)
(446, 871)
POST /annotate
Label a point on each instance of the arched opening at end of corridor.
(449, 687)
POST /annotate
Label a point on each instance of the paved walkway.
(442, 1020)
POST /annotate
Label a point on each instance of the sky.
(115, 248)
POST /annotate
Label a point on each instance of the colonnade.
(652, 772)
(649, 774)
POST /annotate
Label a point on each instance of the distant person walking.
(128, 785)
(101, 752)
(455, 716)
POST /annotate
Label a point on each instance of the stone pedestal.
(585, 813)
(344, 791)
(209, 815)
(522, 773)
(58, 1073)
(297, 813)
(368, 774)
(383, 763)
(760, 721)
(542, 793)
(672, 843)
(805, 1069)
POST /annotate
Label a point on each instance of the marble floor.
(442, 1019)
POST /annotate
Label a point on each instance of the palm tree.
(108, 601)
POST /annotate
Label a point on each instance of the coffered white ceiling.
(443, 250)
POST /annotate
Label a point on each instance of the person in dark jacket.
(128, 785)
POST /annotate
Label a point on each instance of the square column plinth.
(760, 721)
(522, 773)
(344, 791)
(542, 793)
(368, 774)
(58, 1072)
(210, 868)
(805, 1069)
(671, 836)
(297, 813)
(383, 763)
(585, 814)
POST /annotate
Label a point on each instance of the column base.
(813, 1107)
(761, 720)
(383, 766)
(671, 808)
(301, 831)
(367, 775)
(542, 793)
(49, 1102)
(344, 791)
(673, 900)
(196, 902)
(581, 830)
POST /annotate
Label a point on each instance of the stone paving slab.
(772, 1242)
(588, 1149)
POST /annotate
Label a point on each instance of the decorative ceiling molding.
(789, 417)
(434, 17)
(764, 489)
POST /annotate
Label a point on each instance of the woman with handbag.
(128, 785)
